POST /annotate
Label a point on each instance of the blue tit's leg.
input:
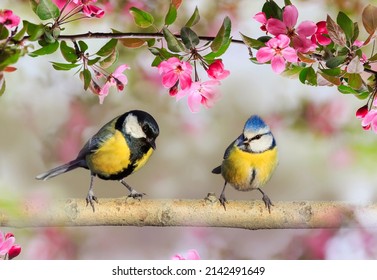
(222, 197)
(91, 197)
(266, 200)
(133, 192)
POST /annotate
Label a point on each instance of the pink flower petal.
(265, 54)
(322, 27)
(276, 27)
(290, 54)
(169, 79)
(278, 64)
(306, 28)
(6, 245)
(283, 41)
(323, 40)
(260, 17)
(290, 15)
(194, 101)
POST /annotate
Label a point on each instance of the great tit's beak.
(152, 143)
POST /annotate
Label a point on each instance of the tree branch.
(199, 213)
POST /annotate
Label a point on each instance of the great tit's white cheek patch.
(133, 127)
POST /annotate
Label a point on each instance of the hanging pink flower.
(216, 70)
(277, 51)
(173, 70)
(190, 255)
(370, 120)
(262, 19)
(200, 93)
(8, 19)
(300, 35)
(93, 11)
(318, 37)
(117, 78)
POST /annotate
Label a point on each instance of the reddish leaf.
(369, 17)
(336, 33)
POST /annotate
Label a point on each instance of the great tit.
(119, 148)
(250, 160)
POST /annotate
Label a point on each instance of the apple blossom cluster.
(177, 77)
(75, 7)
(289, 40)
(368, 116)
(8, 248)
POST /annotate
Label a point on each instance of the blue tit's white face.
(257, 140)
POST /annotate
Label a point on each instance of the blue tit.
(119, 148)
(250, 160)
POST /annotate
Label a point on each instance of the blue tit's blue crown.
(254, 123)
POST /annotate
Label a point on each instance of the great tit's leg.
(91, 197)
(266, 200)
(222, 197)
(133, 192)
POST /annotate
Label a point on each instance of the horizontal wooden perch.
(199, 213)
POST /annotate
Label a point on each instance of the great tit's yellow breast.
(237, 168)
(141, 162)
(111, 157)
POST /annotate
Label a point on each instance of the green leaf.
(68, 53)
(3, 86)
(287, 2)
(110, 60)
(331, 72)
(64, 66)
(108, 48)
(142, 19)
(173, 43)
(272, 10)
(336, 33)
(252, 43)
(355, 81)
(161, 52)
(83, 46)
(369, 17)
(171, 16)
(330, 78)
(223, 35)
(189, 37)
(35, 31)
(87, 76)
(335, 61)
(346, 24)
(213, 55)
(346, 90)
(45, 9)
(4, 32)
(308, 76)
(20, 34)
(132, 42)
(47, 49)
(94, 60)
(157, 60)
(194, 19)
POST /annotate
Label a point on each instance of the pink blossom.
(362, 111)
(370, 120)
(216, 70)
(277, 51)
(190, 255)
(93, 11)
(8, 19)
(318, 35)
(173, 70)
(261, 18)
(117, 78)
(6, 243)
(299, 35)
(200, 93)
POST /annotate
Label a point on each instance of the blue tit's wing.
(234, 143)
(96, 141)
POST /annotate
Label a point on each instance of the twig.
(206, 212)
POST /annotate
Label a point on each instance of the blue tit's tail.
(217, 170)
(61, 169)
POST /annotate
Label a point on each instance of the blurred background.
(46, 117)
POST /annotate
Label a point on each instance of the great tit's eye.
(145, 128)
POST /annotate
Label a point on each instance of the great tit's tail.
(61, 169)
(217, 170)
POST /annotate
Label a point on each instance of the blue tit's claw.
(267, 202)
(223, 200)
(89, 200)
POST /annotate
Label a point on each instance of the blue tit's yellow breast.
(237, 168)
(112, 157)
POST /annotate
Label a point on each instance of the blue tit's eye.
(256, 137)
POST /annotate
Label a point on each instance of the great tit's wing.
(96, 141)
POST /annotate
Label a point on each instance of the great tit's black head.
(140, 124)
